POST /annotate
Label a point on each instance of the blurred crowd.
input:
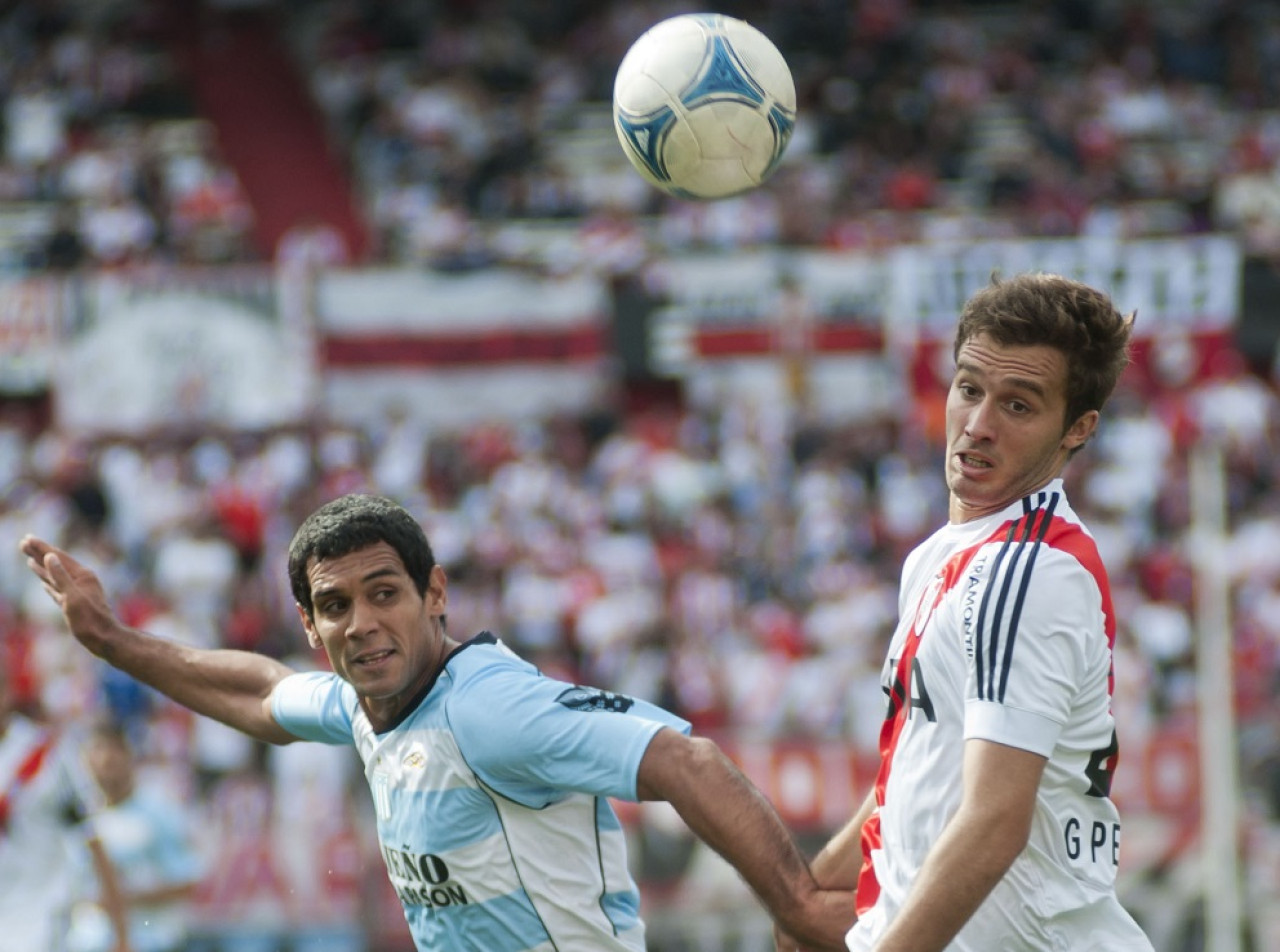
(106, 161)
(918, 120)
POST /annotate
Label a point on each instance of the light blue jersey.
(490, 797)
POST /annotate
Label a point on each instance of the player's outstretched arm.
(229, 686)
(734, 818)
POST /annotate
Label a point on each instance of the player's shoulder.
(490, 685)
(484, 657)
(485, 673)
(1042, 520)
(1038, 544)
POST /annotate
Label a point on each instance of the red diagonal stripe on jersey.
(26, 772)
(868, 890)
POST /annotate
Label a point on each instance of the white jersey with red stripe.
(45, 797)
(1005, 634)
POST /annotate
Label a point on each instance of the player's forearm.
(731, 816)
(974, 852)
(110, 894)
(226, 685)
(156, 895)
(735, 820)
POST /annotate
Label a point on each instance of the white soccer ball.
(704, 105)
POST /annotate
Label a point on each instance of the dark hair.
(1078, 320)
(353, 522)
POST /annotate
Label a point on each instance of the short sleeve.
(316, 706)
(1029, 651)
(533, 738)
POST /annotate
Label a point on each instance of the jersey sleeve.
(1030, 629)
(315, 705)
(533, 738)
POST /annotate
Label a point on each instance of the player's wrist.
(821, 918)
(102, 634)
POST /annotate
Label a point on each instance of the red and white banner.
(240, 347)
(458, 348)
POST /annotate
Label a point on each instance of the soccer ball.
(704, 105)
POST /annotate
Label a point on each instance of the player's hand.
(76, 590)
(827, 916)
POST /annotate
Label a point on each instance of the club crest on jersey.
(416, 759)
(579, 698)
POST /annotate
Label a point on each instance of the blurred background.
(258, 253)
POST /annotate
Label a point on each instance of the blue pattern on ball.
(724, 78)
(784, 123)
(721, 76)
(646, 135)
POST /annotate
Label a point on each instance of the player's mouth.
(371, 659)
(970, 462)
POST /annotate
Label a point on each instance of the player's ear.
(437, 596)
(1079, 432)
(308, 626)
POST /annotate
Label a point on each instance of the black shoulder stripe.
(994, 653)
(1046, 518)
(984, 665)
(1016, 546)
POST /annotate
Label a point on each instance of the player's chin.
(978, 490)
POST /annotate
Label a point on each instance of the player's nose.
(979, 422)
(363, 619)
